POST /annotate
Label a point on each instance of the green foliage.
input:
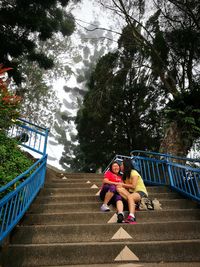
(184, 109)
(129, 89)
(13, 161)
(118, 113)
(23, 24)
(169, 41)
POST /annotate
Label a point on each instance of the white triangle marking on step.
(94, 186)
(113, 219)
(98, 193)
(121, 234)
(88, 182)
(126, 255)
(64, 178)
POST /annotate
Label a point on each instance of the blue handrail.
(161, 155)
(26, 186)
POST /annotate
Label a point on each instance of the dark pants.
(110, 188)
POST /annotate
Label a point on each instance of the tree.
(169, 40)
(39, 101)
(23, 23)
(119, 112)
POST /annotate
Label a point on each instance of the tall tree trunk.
(173, 143)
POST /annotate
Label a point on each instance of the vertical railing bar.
(174, 175)
(163, 170)
(188, 182)
(145, 173)
(39, 143)
(179, 178)
(148, 170)
(182, 179)
(14, 207)
(152, 167)
(18, 204)
(157, 170)
(195, 187)
(140, 166)
(35, 140)
(9, 212)
(30, 138)
(1, 212)
(4, 217)
(22, 199)
(192, 185)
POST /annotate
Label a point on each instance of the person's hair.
(114, 162)
(127, 168)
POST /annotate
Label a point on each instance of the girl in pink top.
(109, 194)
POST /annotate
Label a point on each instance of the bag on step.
(146, 204)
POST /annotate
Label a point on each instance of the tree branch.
(171, 86)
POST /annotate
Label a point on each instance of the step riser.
(101, 253)
(82, 218)
(93, 233)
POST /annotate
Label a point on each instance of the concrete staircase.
(65, 227)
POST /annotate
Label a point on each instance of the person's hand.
(120, 185)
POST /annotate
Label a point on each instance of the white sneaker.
(105, 207)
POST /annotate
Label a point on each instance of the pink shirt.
(113, 177)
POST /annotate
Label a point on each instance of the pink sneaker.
(130, 220)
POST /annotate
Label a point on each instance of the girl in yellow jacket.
(133, 188)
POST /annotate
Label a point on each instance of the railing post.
(45, 141)
(171, 180)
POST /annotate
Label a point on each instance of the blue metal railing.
(26, 186)
(164, 169)
(31, 136)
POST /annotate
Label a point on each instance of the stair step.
(100, 217)
(88, 198)
(79, 176)
(66, 180)
(140, 264)
(65, 227)
(114, 232)
(73, 185)
(90, 191)
(95, 206)
(93, 253)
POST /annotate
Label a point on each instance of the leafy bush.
(13, 161)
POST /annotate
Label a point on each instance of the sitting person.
(133, 188)
(109, 194)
